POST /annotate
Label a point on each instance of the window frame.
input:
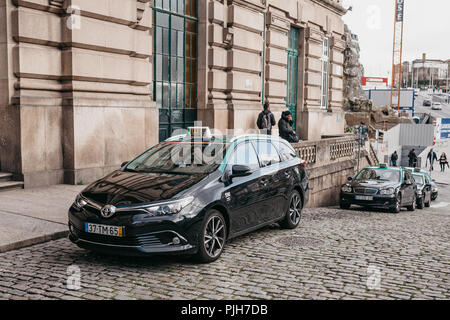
(254, 142)
(229, 165)
(325, 71)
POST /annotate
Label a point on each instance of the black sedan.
(190, 195)
(383, 187)
(423, 190)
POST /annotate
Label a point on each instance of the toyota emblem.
(108, 211)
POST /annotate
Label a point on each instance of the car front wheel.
(294, 213)
(421, 203)
(412, 207)
(397, 206)
(212, 238)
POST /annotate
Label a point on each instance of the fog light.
(176, 240)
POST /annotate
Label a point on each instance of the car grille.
(368, 191)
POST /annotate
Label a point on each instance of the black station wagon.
(190, 194)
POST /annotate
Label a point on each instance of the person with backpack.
(285, 127)
(266, 120)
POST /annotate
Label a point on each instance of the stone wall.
(329, 162)
(244, 59)
(75, 95)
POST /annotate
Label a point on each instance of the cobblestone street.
(334, 254)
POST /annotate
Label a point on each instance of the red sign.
(365, 80)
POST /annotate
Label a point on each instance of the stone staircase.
(7, 183)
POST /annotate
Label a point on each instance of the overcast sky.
(426, 30)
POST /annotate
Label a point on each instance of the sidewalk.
(31, 216)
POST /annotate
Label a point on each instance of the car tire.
(428, 204)
(293, 215)
(397, 207)
(421, 203)
(212, 239)
(344, 205)
(412, 207)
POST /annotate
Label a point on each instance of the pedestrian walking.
(443, 161)
(412, 157)
(266, 120)
(285, 127)
(394, 158)
(431, 157)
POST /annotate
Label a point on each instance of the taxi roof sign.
(382, 165)
(200, 132)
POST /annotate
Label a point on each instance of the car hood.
(127, 188)
(379, 184)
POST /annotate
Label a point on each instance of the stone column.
(82, 74)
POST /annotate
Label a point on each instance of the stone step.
(4, 176)
(8, 185)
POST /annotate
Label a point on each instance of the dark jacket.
(285, 128)
(443, 159)
(268, 124)
(432, 157)
(412, 157)
(394, 157)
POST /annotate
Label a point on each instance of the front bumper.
(378, 200)
(159, 235)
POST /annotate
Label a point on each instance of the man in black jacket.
(266, 120)
(285, 127)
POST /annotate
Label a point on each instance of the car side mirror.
(240, 171)
(124, 164)
(350, 179)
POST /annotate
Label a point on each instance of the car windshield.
(188, 157)
(418, 178)
(378, 174)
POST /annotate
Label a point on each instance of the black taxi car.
(424, 188)
(381, 186)
(434, 187)
(189, 195)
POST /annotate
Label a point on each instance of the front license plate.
(366, 198)
(102, 229)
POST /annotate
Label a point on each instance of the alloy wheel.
(214, 236)
(295, 208)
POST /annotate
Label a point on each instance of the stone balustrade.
(329, 162)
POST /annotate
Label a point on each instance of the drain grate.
(295, 241)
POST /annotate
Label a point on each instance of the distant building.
(425, 72)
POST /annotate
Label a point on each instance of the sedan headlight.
(434, 190)
(388, 191)
(168, 207)
(80, 202)
(346, 188)
(419, 192)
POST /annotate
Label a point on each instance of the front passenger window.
(244, 154)
(267, 153)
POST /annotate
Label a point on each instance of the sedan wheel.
(213, 237)
(412, 207)
(397, 207)
(294, 213)
(421, 203)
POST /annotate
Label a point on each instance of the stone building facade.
(86, 85)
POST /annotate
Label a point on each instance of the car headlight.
(434, 190)
(419, 192)
(387, 191)
(80, 202)
(169, 207)
(346, 188)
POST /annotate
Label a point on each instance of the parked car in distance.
(423, 192)
(427, 103)
(191, 194)
(436, 106)
(380, 186)
(434, 187)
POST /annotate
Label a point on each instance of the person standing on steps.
(394, 158)
(266, 120)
